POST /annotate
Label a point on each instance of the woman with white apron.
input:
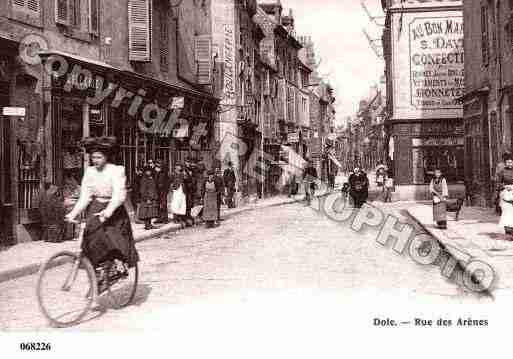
(439, 191)
(505, 179)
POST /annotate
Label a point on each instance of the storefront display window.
(447, 154)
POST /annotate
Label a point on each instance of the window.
(71, 13)
(203, 54)
(484, 36)
(28, 11)
(139, 30)
(94, 11)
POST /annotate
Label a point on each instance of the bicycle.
(72, 274)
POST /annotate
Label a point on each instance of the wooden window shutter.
(94, 17)
(62, 12)
(32, 7)
(139, 30)
(203, 51)
(75, 12)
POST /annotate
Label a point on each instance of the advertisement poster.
(428, 64)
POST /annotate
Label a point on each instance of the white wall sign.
(14, 111)
(428, 64)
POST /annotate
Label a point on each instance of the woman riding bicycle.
(108, 233)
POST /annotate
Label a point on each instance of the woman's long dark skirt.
(359, 197)
(110, 240)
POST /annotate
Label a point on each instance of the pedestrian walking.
(388, 188)
(136, 187)
(440, 192)
(381, 176)
(163, 183)
(293, 186)
(359, 187)
(229, 182)
(505, 187)
(189, 189)
(210, 199)
(221, 188)
(149, 206)
(108, 233)
(309, 178)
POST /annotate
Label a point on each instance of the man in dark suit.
(229, 182)
(163, 182)
(220, 185)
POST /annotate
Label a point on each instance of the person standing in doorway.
(163, 183)
(148, 208)
(440, 192)
(229, 182)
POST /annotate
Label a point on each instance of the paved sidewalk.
(25, 258)
(477, 234)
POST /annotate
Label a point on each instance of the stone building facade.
(488, 99)
(137, 69)
(423, 49)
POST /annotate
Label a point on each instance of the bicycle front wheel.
(66, 288)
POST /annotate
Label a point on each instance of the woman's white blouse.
(110, 183)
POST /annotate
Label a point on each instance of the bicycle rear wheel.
(66, 288)
(121, 289)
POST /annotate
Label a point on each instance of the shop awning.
(76, 58)
(103, 66)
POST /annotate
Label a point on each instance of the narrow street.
(286, 257)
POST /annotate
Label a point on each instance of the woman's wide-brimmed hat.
(107, 144)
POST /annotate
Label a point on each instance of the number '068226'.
(35, 346)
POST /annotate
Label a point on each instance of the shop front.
(478, 174)
(20, 146)
(7, 203)
(162, 122)
(420, 148)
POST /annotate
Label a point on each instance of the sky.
(346, 56)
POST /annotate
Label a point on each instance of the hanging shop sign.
(95, 116)
(428, 59)
(292, 137)
(437, 141)
(177, 103)
(181, 132)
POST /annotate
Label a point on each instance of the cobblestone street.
(290, 251)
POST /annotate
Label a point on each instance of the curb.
(461, 264)
(33, 268)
